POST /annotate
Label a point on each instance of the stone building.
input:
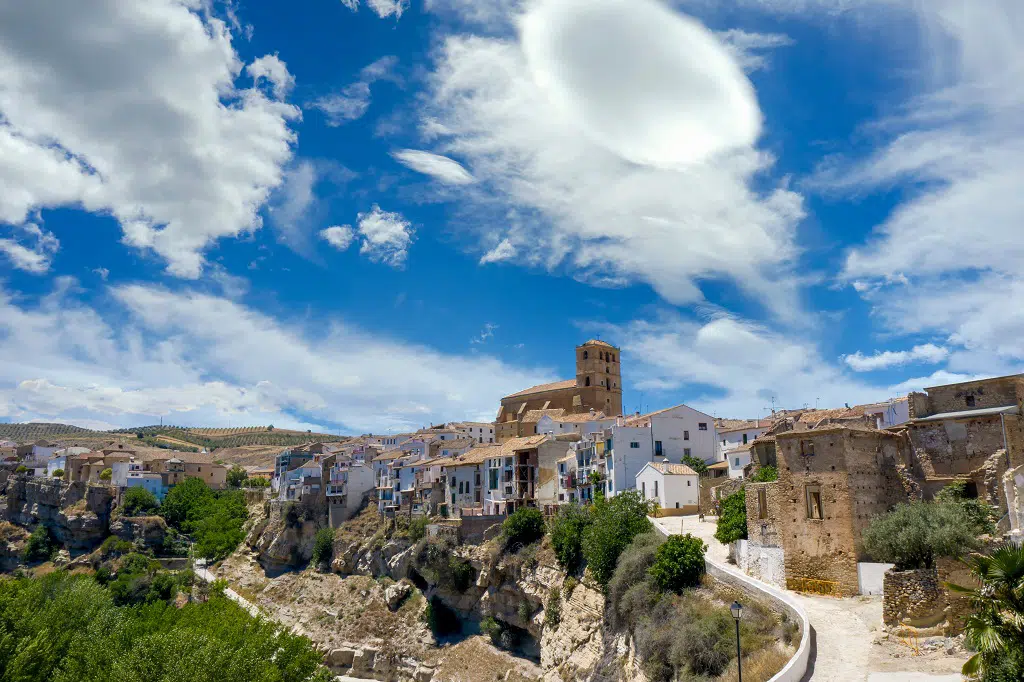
(597, 386)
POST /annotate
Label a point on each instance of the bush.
(323, 547)
(490, 627)
(699, 466)
(524, 527)
(567, 529)
(106, 474)
(765, 474)
(570, 586)
(441, 620)
(632, 572)
(418, 529)
(40, 545)
(58, 473)
(615, 524)
(983, 515)
(553, 609)
(257, 483)
(138, 501)
(236, 476)
(439, 564)
(732, 518)
(679, 563)
(913, 535)
(21, 469)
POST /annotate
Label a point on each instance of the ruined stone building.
(597, 386)
(835, 475)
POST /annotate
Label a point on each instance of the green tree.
(184, 500)
(566, 530)
(523, 527)
(678, 563)
(258, 482)
(913, 535)
(698, 465)
(236, 476)
(106, 474)
(765, 474)
(58, 473)
(615, 523)
(39, 547)
(138, 501)
(983, 515)
(323, 547)
(418, 529)
(21, 469)
(996, 628)
(732, 518)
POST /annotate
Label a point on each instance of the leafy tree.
(418, 529)
(698, 465)
(983, 515)
(615, 523)
(524, 527)
(258, 482)
(184, 500)
(58, 473)
(106, 474)
(913, 535)
(732, 518)
(215, 519)
(236, 476)
(678, 563)
(323, 546)
(566, 531)
(40, 546)
(21, 469)
(138, 501)
(271, 428)
(996, 628)
(765, 474)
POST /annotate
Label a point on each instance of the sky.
(372, 215)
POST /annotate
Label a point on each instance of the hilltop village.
(784, 506)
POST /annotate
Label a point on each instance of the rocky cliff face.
(77, 514)
(279, 537)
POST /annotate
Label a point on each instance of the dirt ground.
(851, 644)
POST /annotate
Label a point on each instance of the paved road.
(844, 629)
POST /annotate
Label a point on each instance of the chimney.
(638, 413)
(619, 421)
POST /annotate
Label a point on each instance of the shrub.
(632, 571)
(58, 473)
(732, 518)
(570, 586)
(40, 545)
(106, 474)
(983, 515)
(236, 476)
(418, 529)
(257, 483)
(525, 611)
(678, 563)
(524, 527)
(553, 609)
(436, 561)
(138, 501)
(490, 627)
(566, 531)
(913, 535)
(615, 524)
(765, 474)
(699, 466)
(21, 469)
(441, 620)
(323, 546)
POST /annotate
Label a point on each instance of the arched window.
(613, 357)
(584, 355)
(586, 382)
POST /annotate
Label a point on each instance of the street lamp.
(737, 613)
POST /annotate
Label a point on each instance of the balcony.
(336, 490)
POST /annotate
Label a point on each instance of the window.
(687, 483)
(686, 435)
(643, 489)
(762, 504)
(737, 461)
(702, 426)
(814, 510)
(585, 355)
(657, 448)
(634, 445)
(744, 439)
(655, 488)
(586, 382)
(970, 401)
(686, 452)
(723, 441)
(807, 448)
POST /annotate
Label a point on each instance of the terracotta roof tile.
(673, 469)
(541, 388)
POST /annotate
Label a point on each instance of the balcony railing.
(335, 490)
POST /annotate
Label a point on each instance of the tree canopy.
(732, 518)
(913, 535)
(615, 523)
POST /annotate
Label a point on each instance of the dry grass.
(760, 666)
(12, 533)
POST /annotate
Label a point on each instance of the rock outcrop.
(148, 530)
(282, 539)
(78, 514)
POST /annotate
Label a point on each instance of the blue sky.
(375, 215)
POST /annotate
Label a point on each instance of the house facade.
(680, 431)
(674, 487)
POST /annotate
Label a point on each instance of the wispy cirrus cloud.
(353, 101)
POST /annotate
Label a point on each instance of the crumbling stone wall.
(954, 447)
(913, 598)
(975, 395)
(957, 606)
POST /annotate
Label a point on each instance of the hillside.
(36, 431)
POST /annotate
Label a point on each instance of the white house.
(738, 458)
(481, 432)
(347, 483)
(735, 433)
(675, 487)
(586, 424)
(626, 450)
(679, 431)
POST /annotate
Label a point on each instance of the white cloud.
(485, 334)
(340, 237)
(292, 204)
(926, 353)
(353, 101)
(634, 157)
(503, 251)
(386, 237)
(274, 70)
(939, 378)
(441, 168)
(103, 273)
(37, 256)
(138, 114)
(733, 367)
(382, 8)
(748, 47)
(199, 359)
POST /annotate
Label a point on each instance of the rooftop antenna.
(816, 402)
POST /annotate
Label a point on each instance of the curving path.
(844, 630)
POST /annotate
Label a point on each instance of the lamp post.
(737, 613)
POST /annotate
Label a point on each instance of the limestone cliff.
(279, 535)
(77, 514)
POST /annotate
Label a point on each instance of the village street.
(846, 632)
